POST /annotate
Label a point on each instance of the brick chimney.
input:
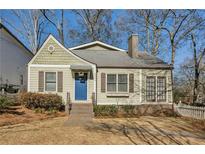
(133, 45)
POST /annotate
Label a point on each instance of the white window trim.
(158, 100)
(117, 91)
(45, 81)
(127, 83)
(141, 86)
(155, 88)
(156, 77)
(107, 82)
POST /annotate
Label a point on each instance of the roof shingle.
(110, 58)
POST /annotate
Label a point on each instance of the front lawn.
(19, 114)
(142, 130)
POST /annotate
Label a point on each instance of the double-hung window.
(122, 83)
(111, 83)
(117, 82)
(50, 81)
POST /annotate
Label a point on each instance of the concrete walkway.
(81, 114)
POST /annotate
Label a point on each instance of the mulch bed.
(20, 114)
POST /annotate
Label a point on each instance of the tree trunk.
(172, 63)
(147, 33)
(196, 72)
(173, 53)
(61, 32)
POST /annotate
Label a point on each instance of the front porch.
(75, 83)
(83, 83)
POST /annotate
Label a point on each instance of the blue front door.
(80, 86)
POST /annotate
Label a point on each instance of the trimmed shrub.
(40, 101)
(105, 110)
(128, 109)
(133, 110)
(5, 102)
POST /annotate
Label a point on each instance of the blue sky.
(183, 53)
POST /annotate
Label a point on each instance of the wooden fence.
(190, 111)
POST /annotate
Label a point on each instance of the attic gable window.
(51, 49)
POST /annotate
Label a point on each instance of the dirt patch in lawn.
(20, 114)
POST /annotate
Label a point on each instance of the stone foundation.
(137, 110)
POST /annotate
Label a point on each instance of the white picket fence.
(190, 111)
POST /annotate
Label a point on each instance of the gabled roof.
(111, 58)
(10, 33)
(116, 59)
(110, 47)
(67, 50)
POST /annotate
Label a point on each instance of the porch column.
(95, 81)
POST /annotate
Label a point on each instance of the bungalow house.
(14, 57)
(100, 73)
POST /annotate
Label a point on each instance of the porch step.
(82, 105)
(81, 111)
(81, 114)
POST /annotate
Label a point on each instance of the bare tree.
(31, 26)
(178, 24)
(57, 19)
(140, 22)
(196, 67)
(93, 25)
(192, 74)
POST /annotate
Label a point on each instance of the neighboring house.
(14, 57)
(100, 73)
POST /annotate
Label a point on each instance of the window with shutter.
(50, 81)
(122, 83)
(111, 83)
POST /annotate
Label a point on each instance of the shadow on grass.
(140, 134)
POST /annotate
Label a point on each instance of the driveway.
(143, 130)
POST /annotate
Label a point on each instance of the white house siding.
(68, 82)
(13, 60)
(139, 85)
(45, 61)
(132, 99)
